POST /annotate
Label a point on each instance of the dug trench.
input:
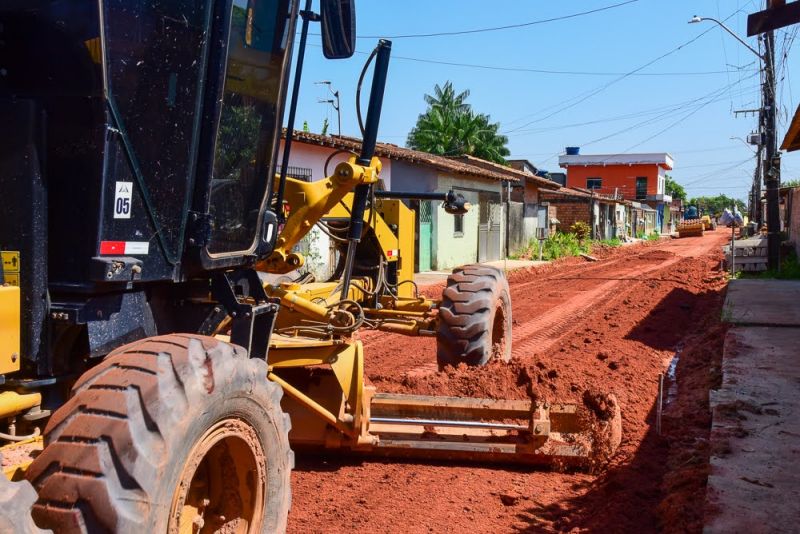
(580, 327)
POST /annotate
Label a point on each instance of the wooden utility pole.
(772, 164)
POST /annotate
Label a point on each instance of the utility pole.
(772, 160)
(772, 163)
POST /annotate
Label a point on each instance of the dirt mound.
(497, 380)
(656, 255)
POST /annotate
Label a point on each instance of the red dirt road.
(609, 326)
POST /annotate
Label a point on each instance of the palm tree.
(449, 127)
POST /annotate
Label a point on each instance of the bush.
(654, 236)
(581, 230)
(561, 245)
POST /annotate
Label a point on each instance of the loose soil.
(580, 328)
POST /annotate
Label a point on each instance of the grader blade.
(514, 431)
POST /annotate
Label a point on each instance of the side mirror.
(338, 28)
(455, 204)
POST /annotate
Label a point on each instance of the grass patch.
(561, 245)
(613, 242)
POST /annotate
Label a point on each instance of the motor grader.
(141, 211)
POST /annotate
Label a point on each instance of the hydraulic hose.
(362, 192)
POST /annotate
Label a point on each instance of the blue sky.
(681, 103)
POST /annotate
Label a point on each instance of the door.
(490, 245)
(425, 230)
(248, 121)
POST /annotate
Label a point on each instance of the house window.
(458, 225)
(641, 188)
(594, 183)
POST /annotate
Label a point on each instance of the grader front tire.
(474, 323)
(178, 433)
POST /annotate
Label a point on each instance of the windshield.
(248, 121)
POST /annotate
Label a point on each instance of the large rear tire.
(474, 323)
(178, 433)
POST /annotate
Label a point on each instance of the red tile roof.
(394, 152)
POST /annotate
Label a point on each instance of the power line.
(699, 103)
(662, 113)
(705, 176)
(498, 28)
(616, 80)
(534, 70)
(642, 113)
(550, 71)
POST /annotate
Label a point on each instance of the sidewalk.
(433, 277)
(754, 483)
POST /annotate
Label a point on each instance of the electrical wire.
(570, 103)
(696, 104)
(535, 70)
(497, 28)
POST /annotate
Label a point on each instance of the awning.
(792, 140)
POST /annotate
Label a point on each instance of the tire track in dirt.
(540, 333)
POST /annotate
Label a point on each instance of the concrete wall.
(448, 249)
(619, 179)
(410, 177)
(451, 250)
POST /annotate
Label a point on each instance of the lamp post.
(772, 163)
(696, 19)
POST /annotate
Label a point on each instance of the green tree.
(449, 127)
(674, 189)
(715, 205)
(791, 183)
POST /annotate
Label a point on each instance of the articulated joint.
(350, 172)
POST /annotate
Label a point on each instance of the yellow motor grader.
(151, 379)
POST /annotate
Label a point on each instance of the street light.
(696, 19)
(772, 171)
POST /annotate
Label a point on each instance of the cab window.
(248, 121)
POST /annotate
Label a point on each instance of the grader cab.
(141, 207)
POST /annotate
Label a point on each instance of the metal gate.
(424, 241)
(517, 238)
(490, 220)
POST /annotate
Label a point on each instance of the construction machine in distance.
(141, 211)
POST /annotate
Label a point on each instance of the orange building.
(630, 176)
(637, 177)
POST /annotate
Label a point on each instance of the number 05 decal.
(122, 200)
